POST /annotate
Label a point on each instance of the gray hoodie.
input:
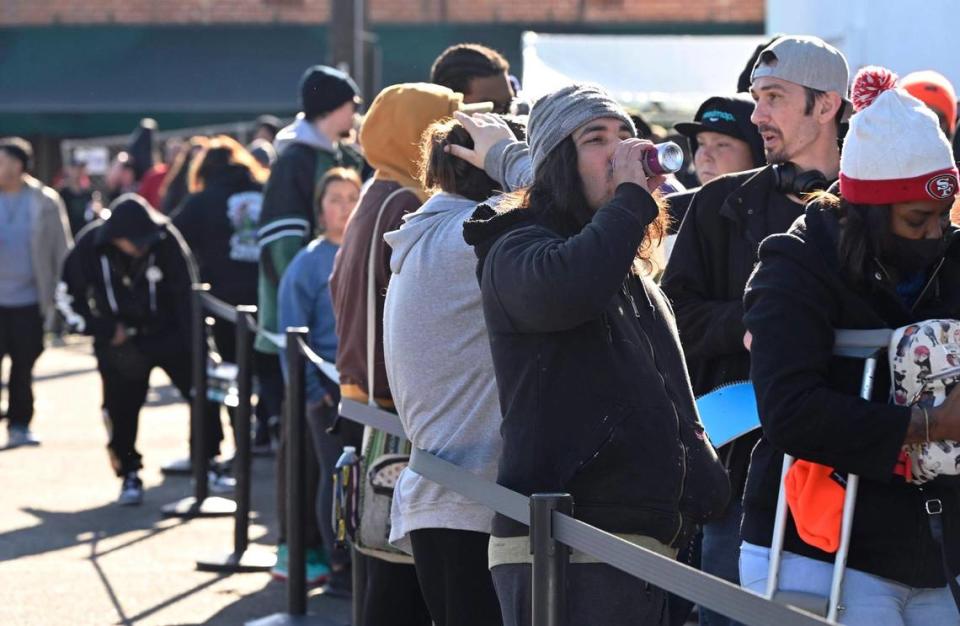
(301, 131)
(439, 365)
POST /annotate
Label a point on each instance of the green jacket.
(288, 216)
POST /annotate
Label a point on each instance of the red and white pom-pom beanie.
(894, 150)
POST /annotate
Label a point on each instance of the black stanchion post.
(550, 559)
(199, 504)
(294, 418)
(358, 563)
(242, 559)
(295, 425)
(242, 428)
(198, 408)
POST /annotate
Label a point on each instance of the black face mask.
(913, 255)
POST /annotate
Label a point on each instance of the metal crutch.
(864, 344)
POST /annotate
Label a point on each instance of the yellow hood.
(393, 126)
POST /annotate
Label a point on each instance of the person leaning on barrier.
(879, 254)
(127, 284)
(441, 375)
(593, 388)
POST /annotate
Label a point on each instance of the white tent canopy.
(668, 74)
(903, 36)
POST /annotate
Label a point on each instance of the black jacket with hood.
(594, 392)
(713, 256)
(219, 224)
(149, 295)
(809, 400)
(712, 259)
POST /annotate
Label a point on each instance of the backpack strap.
(933, 507)
(372, 293)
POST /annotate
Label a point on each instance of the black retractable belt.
(934, 510)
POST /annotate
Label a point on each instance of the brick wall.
(39, 12)
(568, 10)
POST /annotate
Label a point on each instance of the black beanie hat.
(141, 146)
(323, 89)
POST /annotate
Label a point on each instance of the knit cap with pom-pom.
(869, 83)
(894, 151)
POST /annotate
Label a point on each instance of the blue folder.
(729, 412)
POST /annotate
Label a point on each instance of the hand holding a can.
(629, 165)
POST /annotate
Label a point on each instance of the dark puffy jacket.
(594, 392)
(809, 400)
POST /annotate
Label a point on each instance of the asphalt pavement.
(70, 556)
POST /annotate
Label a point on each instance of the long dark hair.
(557, 200)
(864, 233)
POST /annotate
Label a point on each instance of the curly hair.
(458, 65)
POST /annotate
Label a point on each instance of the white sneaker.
(218, 482)
(131, 492)
(18, 437)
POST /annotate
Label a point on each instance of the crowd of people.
(539, 307)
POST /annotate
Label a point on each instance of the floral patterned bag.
(924, 368)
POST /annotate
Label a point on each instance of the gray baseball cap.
(807, 61)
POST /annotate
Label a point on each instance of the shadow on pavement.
(57, 530)
(273, 599)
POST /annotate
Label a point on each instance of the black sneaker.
(131, 492)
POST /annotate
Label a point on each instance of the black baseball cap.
(728, 115)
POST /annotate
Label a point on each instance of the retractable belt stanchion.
(554, 532)
(550, 559)
(200, 504)
(243, 558)
(296, 431)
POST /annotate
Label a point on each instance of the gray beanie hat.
(556, 115)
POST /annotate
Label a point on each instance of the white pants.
(867, 600)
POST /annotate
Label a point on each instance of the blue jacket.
(304, 300)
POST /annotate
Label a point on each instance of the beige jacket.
(49, 242)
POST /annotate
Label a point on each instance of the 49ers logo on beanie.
(895, 150)
(942, 186)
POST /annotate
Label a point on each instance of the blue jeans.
(868, 600)
(719, 556)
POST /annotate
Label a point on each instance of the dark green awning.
(72, 81)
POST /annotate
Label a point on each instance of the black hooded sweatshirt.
(809, 400)
(219, 224)
(594, 392)
(149, 295)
